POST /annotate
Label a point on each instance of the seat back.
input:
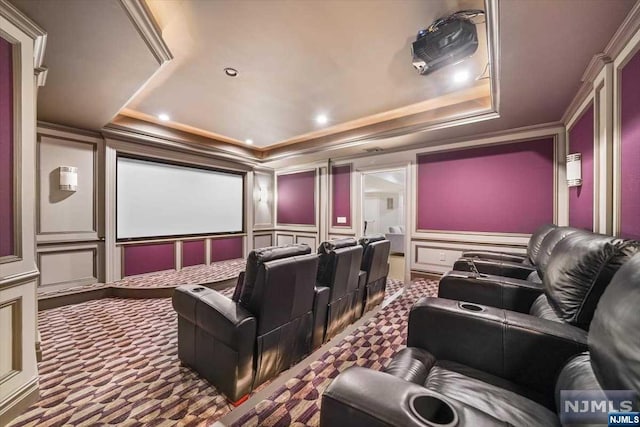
(375, 258)
(278, 290)
(339, 266)
(581, 267)
(533, 248)
(547, 246)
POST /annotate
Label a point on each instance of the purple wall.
(145, 258)
(341, 181)
(226, 248)
(581, 198)
(296, 198)
(504, 188)
(193, 252)
(630, 150)
(6, 149)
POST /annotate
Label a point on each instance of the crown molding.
(622, 36)
(31, 29)
(492, 18)
(145, 23)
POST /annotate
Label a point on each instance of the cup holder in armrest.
(198, 289)
(433, 411)
(470, 306)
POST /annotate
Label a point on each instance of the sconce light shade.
(262, 194)
(68, 178)
(574, 170)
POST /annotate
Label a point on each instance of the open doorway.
(384, 212)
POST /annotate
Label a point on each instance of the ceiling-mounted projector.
(447, 41)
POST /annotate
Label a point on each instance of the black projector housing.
(450, 42)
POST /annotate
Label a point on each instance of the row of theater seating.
(287, 302)
(499, 350)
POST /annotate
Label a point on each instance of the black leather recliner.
(239, 343)
(375, 264)
(471, 368)
(572, 254)
(532, 269)
(338, 270)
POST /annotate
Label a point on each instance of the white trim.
(143, 20)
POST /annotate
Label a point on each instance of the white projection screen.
(155, 199)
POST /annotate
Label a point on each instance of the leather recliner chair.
(239, 343)
(471, 368)
(519, 295)
(532, 269)
(338, 270)
(375, 265)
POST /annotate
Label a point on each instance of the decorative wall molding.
(31, 29)
(148, 28)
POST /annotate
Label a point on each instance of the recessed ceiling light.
(249, 141)
(231, 72)
(164, 117)
(322, 119)
(461, 76)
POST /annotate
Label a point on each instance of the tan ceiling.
(96, 60)
(296, 59)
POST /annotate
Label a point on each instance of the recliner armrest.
(517, 347)
(320, 303)
(219, 316)
(495, 291)
(498, 256)
(494, 267)
(361, 397)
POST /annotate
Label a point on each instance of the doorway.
(384, 212)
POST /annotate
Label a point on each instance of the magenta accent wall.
(193, 252)
(581, 198)
(341, 202)
(226, 248)
(505, 188)
(296, 198)
(6, 149)
(630, 150)
(146, 258)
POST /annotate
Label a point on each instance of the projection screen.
(155, 199)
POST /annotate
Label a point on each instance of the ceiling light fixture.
(231, 72)
(461, 76)
(164, 117)
(322, 119)
(249, 141)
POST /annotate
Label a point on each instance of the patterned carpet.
(297, 403)
(114, 362)
(216, 272)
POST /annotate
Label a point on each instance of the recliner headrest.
(331, 245)
(533, 248)
(613, 338)
(257, 257)
(367, 240)
(548, 244)
(581, 267)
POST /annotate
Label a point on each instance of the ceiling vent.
(447, 41)
(373, 150)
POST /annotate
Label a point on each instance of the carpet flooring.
(297, 403)
(195, 275)
(114, 362)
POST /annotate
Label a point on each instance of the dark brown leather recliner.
(338, 270)
(237, 344)
(375, 265)
(532, 268)
(495, 367)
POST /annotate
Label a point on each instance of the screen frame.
(161, 161)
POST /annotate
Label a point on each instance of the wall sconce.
(574, 170)
(68, 178)
(262, 195)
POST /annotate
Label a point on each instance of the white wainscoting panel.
(262, 240)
